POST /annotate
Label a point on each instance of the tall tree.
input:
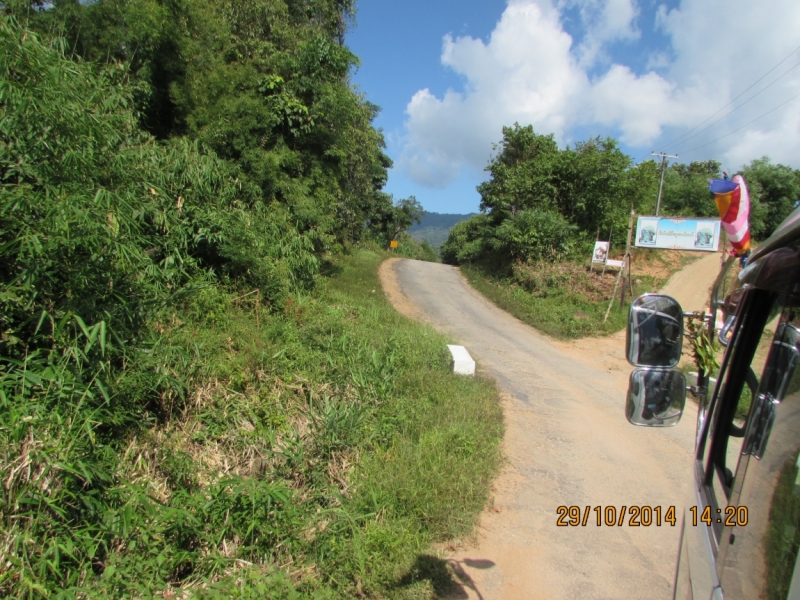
(597, 186)
(522, 173)
(776, 189)
(540, 199)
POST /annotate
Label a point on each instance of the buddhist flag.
(733, 204)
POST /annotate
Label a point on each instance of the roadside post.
(610, 233)
(591, 260)
(621, 274)
(627, 261)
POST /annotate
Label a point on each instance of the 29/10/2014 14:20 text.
(645, 516)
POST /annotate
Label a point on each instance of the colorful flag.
(733, 204)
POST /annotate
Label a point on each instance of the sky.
(656, 76)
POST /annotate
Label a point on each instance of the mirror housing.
(729, 309)
(726, 332)
(732, 302)
(656, 397)
(654, 336)
(782, 362)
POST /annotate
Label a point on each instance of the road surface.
(567, 443)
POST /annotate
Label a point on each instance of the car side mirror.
(656, 397)
(654, 336)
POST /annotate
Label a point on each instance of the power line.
(738, 107)
(743, 126)
(735, 99)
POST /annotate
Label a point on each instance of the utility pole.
(663, 168)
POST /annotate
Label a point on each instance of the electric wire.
(738, 107)
(667, 146)
(743, 126)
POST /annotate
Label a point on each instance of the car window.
(758, 526)
(738, 382)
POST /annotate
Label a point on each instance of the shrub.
(532, 235)
(466, 241)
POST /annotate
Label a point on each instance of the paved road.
(567, 443)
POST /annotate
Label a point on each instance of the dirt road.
(692, 284)
(567, 443)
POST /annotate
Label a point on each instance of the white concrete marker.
(462, 361)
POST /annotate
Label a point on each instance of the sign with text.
(676, 233)
(600, 252)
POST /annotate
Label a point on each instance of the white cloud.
(605, 21)
(781, 142)
(721, 48)
(637, 105)
(531, 71)
(523, 74)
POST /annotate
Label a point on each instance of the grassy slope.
(323, 449)
(565, 300)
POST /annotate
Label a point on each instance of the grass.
(783, 537)
(566, 300)
(316, 450)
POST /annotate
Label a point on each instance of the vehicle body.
(741, 526)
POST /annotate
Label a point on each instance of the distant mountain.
(435, 227)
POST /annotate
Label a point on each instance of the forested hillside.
(199, 394)
(434, 228)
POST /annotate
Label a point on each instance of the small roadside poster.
(600, 252)
(676, 233)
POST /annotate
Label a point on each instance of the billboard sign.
(600, 253)
(676, 233)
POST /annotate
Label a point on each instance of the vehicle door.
(750, 486)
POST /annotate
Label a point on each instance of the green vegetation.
(409, 247)
(783, 538)
(201, 391)
(263, 84)
(545, 204)
(544, 207)
(320, 450)
(565, 299)
(195, 395)
(542, 210)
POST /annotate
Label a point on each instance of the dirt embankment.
(394, 293)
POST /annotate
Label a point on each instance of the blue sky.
(448, 74)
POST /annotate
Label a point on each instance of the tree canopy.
(264, 84)
(542, 202)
